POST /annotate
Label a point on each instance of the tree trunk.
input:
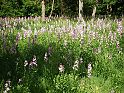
(43, 10)
(94, 12)
(51, 9)
(62, 7)
(94, 9)
(80, 10)
(110, 8)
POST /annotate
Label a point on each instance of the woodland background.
(68, 8)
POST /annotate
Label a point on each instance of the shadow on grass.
(12, 67)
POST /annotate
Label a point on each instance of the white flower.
(35, 32)
(20, 80)
(76, 65)
(81, 60)
(61, 68)
(7, 86)
(25, 63)
(33, 62)
(89, 70)
(46, 57)
(34, 59)
(7, 89)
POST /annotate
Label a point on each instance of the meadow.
(61, 55)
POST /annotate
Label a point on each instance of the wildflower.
(25, 63)
(120, 27)
(25, 34)
(46, 57)
(82, 41)
(34, 59)
(7, 86)
(18, 37)
(110, 56)
(89, 70)
(29, 31)
(74, 34)
(33, 62)
(42, 29)
(99, 49)
(35, 33)
(61, 68)
(117, 44)
(110, 36)
(81, 60)
(115, 36)
(20, 80)
(76, 65)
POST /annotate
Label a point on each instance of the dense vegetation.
(61, 7)
(61, 56)
(64, 51)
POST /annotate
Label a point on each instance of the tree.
(80, 10)
(94, 8)
(43, 10)
(51, 9)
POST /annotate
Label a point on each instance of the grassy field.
(61, 55)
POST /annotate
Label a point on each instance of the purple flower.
(120, 27)
(25, 34)
(74, 34)
(18, 37)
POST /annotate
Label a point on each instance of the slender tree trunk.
(107, 9)
(62, 7)
(94, 11)
(80, 10)
(43, 10)
(110, 8)
(51, 9)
